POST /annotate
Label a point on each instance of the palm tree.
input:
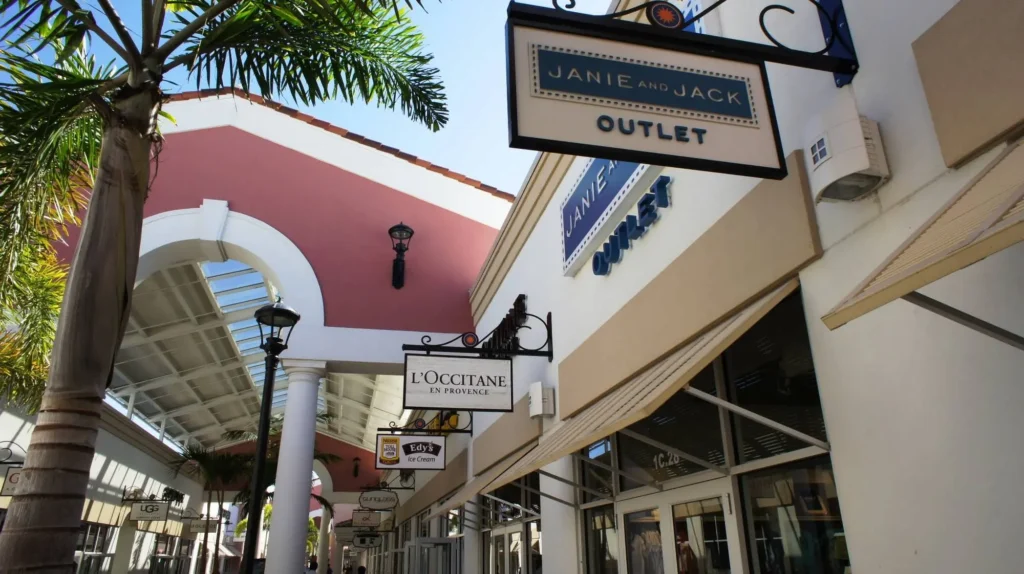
(312, 533)
(217, 471)
(273, 453)
(68, 123)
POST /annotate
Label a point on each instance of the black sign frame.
(644, 35)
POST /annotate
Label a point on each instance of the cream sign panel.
(413, 452)
(458, 383)
(613, 99)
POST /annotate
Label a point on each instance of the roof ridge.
(340, 131)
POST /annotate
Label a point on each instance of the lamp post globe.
(279, 321)
(401, 237)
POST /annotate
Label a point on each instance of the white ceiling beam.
(216, 401)
(136, 338)
(198, 372)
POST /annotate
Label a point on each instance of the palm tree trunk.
(44, 517)
(216, 547)
(206, 531)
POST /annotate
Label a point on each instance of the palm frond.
(49, 147)
(317, 50)
(195, 460)
(324, 503)
(28, 323)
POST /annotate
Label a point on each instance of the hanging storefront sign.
(11, 480)
(151, 510)
(458, 383)
(378, 499)
(619, 90)
(365, 518)
(415, 452)
(201, 525)
(364, 540)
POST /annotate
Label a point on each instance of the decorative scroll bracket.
(669, 27)
(445, 422)
(407, 482)
(501, 343)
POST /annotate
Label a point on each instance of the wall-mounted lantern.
(355, 466)
(401, 236)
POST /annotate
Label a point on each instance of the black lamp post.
(401, 236)
(276, 318)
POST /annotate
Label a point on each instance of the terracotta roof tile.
(340, 131)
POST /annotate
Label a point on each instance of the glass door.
(508, 551)
(433, 556)
(690, 530)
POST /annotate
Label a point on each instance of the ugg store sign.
(458, 383)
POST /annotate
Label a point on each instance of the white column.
(323, 551)
(295, 468)
(338, 556)
(130, 409)
(558, 521)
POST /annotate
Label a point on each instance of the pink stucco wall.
(339, 220)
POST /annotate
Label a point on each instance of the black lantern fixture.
(355, 466)
(401, 236)
(279, 321)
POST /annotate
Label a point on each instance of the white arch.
(213, 232)
(326, 482)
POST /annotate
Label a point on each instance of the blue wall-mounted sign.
(588, 207)
(633, 227)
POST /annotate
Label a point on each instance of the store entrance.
(433, 556)
(506, 550)
(690, 530)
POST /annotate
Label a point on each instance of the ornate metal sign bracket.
(669, 24)
(445, 422)
(502, 342)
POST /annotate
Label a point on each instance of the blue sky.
(467, 38)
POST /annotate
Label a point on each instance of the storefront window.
(601, 540)
(451, 525)
(94, 542)
(515, 552)
(793, 521)
(423, 524)
(595, 477)
(501, 510)
(684, 423)
(536, 558)
(702, 546)
(487, 552)
(769, 371)
(499, 554)
(643, 542)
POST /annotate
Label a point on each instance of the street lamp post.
(276, 318)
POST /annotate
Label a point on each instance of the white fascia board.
(335, 150)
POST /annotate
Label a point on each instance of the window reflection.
(515, 551)
(793, 520)
(595, 477)
(701, 542)
(601, 540)
(683, 422)
(770, 371)
(536, 557)
(643, 542)
(499, 554)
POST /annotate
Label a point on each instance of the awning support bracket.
(965, 319)
(512, 504)
(546, 495)
(749, 414)
(618, 472)
(575, 485)
(672, 450)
